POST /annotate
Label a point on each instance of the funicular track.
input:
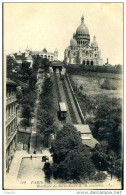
(64, 95)
(57, 88)
(73, 117)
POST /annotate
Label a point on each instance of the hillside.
(92, 82)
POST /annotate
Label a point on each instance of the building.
(57, 65)
(80, 50)
(24, 57)
(27, 56)
(11, 121)
(86, 135)
(45, 54)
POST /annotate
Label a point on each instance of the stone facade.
(11, 122)
(45, 54)
(80, 50)
(27, 56)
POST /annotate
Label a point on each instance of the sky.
(51, 26)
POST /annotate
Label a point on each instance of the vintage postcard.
(63, 96)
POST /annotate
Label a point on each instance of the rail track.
(64, 95)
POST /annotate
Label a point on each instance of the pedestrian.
(31, 157)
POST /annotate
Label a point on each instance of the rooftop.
(63, 106)
(57, 63)
(83, 128)
(10, 82)
(90, 142)
(42, 53)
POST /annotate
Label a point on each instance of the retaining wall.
(76, 101)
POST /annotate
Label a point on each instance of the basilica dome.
(73, 42)
(94, 43)
(82, 29)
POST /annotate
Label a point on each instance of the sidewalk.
(11, 176)
(16, 162)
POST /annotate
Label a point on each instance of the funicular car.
(62, 110)
(62, 75)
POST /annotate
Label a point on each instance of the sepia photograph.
(63, 96)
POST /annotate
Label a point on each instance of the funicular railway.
(64, 96)
(67, 108)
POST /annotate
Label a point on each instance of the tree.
(75, 166)
(45, 125)
(71, 159)
(36, 62)
(26, 111)
(111, 161)
(47, 87)
(19, 95)
(28, 99)
(99, 156)
(44, 120)
(117, 169)
(45, 64)
(107, 123)
(65, 141)
(11, 64)
(25, 123)
(49, 131)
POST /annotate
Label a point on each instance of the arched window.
(84, 62)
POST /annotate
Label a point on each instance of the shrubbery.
(79, 69)
(108, 85)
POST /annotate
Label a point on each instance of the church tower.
(56, 54)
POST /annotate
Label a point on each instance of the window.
(9, 92)
(7, 133)
(14, 108)
(91, 63)
(8, 112)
